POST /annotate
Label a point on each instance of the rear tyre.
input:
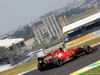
(87, 49)
(58, 62)
(41, 67)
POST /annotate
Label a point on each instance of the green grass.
(20, 69)
(90, 42)
(94, 71)
(36, 47)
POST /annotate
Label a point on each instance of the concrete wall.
(29, 42)
(53, 48)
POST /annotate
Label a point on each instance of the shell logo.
(56, 55)
(70, 54)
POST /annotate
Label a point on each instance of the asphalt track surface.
(71, 66)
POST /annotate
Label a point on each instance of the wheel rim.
(59, 62)
(89, 49)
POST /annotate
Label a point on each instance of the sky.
(15, 13)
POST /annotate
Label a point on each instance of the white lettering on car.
(59, 55)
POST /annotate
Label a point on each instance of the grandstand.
(82, 27)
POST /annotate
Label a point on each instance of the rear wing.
(47, 58)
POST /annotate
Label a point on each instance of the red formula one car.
(60, 57)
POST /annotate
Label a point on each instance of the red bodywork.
(67, 54)
(64, 55)
(94, 48)
(61, 54)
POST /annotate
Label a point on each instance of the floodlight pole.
(17, 53)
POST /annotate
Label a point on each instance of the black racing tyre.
(54, 61)
(41, 67)
(57, 62)
(87, 49)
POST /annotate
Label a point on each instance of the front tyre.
(87, 49)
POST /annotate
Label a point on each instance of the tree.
(26, 33)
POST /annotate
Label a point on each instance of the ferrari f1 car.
(60, 57)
